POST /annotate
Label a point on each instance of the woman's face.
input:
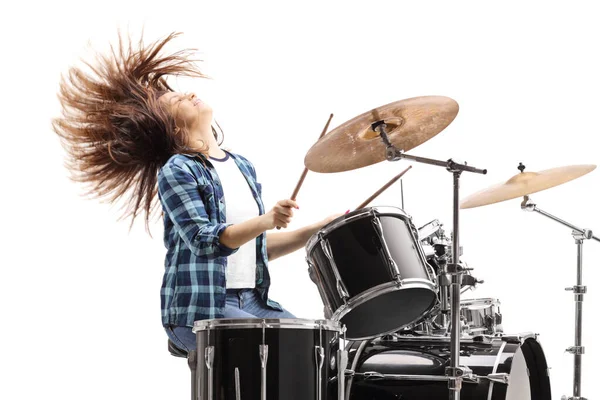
(187, 109)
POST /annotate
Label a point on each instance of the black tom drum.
(371, 271)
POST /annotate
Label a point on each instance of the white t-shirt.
(239, 207)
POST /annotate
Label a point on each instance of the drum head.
(529, 374)
(388, 312)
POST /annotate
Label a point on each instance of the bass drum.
(395, 367)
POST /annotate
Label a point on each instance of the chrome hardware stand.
(578, 290)
(454, 372)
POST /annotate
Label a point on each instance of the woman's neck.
(216, 152)
(204, 141)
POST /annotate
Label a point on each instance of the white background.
(80, 291)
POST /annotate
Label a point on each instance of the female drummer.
(134, 139)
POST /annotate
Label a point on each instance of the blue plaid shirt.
(192, 199)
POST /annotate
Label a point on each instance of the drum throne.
(191, 359)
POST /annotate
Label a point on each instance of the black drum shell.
(291, 362)
(362, 262)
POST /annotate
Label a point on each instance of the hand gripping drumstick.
(301, 180)
(387, 185)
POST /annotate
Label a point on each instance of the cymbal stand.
(454, 372)
(578, 290)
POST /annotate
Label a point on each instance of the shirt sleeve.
(180, 197)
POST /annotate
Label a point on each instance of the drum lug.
(311, 270)
(209, 357)
(263, 351)
(394, 270)
(314, 277)
(319, 359)
(341, 288)
(238, 391)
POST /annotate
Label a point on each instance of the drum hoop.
(519, 338)
(346, 219)
(375, 291)
(269, 323)
(495, 369)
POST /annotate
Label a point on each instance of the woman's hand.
(280, 244)
(330, 219)
(280, 215)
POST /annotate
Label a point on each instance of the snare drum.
(481, 316)
(477, 317)
(431, 232)
(254, 359)
(371, 271)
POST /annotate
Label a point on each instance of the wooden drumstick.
(387, 185)
(301, 180)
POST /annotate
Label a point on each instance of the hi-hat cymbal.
(525, 183)
(354, 144)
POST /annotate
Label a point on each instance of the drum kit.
(396, 326)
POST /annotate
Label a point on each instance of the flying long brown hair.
(116, 133)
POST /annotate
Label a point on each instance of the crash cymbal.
(525, 183)
(354, 144)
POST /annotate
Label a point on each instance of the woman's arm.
(282, 243)
(236, 235)
(181, 201)
(179, 195)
